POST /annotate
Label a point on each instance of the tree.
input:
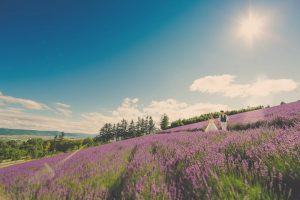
(46, 147)
(143, 127)
(105, 133)
(88, 142)
(15, 154)
(177, 123)
(113, 132)
(124, 129)
(118, 132)
(131, 129)
(138, 127)
(151, 125)
(62, 136)
(164, 123)
(34, 147)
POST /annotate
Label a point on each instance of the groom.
(223, 119)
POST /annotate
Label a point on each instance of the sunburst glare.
(251, 27)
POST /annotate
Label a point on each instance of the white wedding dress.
(211, 126)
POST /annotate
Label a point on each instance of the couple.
(223, 119)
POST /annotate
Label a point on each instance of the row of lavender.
(253, 164)
(285, 110)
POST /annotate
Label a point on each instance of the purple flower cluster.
(259, 163)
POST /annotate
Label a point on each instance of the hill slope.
(247, 117)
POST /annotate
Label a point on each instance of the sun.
(251, 27)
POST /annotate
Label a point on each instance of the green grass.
(232, 186)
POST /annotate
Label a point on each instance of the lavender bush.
(261, 163)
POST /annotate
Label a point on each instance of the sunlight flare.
(251, 27)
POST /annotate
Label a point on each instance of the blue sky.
(84, 63)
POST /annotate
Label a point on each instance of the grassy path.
(10, 163)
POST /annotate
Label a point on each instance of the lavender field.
(261, 163)
(267, 114)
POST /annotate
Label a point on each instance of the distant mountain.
(6, 131)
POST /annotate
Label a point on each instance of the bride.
(211, 124)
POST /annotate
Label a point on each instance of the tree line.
(125, 130)
(38, 147)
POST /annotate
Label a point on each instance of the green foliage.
(278, 122)
(164, 123)
(62, 136)
(34, 148)
(124, 130)
(106, 133)
(281, 122)
(88, 142)
(240, 127)
(233, 186)
(68, 145)
(151, 125)
(177, 123)
(37, 147)
(289, 167)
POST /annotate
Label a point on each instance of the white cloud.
(127, 110)
(97, 118)
(226, 86)
(212, 84)
(176, 110)
(63, 109)
(26, 103)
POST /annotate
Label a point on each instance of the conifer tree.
(164, 123)
(151, 125)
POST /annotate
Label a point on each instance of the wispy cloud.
(26, 103)
(63, 109)
(39, 122)
(226, 85)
